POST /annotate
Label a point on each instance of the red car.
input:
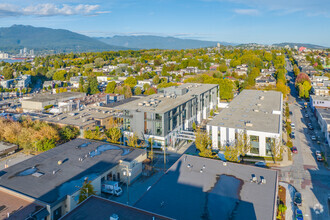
(294, 150)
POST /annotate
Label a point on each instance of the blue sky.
(239, 21)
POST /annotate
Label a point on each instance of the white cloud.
(247, 11)
(49, 9)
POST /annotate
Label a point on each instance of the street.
(306, 174)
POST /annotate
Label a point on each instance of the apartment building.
(256, 113)
(173, 109)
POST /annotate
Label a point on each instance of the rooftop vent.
(248, 124)
(37, 174)
(59, 162)
(262, 97)
(254, 178)
(256, 110)
(114, 217)
(258, 104)
(224, 163)
(263, 180)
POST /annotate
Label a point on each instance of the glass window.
(159, 130)
(158, 117)
(254, 141)
(270, 143)
(126, 124)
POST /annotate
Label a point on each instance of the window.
(159, 130)
(270, 143)
(158, 117)
(219, 142)
(254, 140)
(126, 124)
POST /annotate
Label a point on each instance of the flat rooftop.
(6, 146)
(261, 109)
(79, 118)
(56, 96)
(99, 208)
(42, 178)
(325, 114)
(202, 188)
(16, 207)
(165, 103)
(320, 97)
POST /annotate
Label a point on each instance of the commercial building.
(7, 148)
(255, 113)
(23, 81)
(99, 208)
(202, 188)
(161, 116)
(318, 101)
(323, 118)
(84, 120)
(39, 102)
(54, 178)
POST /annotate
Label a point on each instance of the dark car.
(319, 158)
(294, 150)
(260, 164)
(297, 199)
(292, 135)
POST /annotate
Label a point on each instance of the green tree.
(156, 80)
(151, 91)
(146, 86)
(231, 154)
(81, 84)
(137, 91)
(68, 132)
(132, 140)
(222, 68)
(203, 143)
(60, 75)
(92, 85)
(110, 87)
(130, 81)
(86, 191)
(8, 72)
(45, 145)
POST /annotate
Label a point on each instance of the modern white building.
(258, 114)
(318, 101)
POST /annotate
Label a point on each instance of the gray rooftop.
(325, 114)
(6, 146)
(320, 98)
(79, 118)
(99, 208)
(217, 191)
(254, 106)
(165, 103)
(57, 180)
(56, 96)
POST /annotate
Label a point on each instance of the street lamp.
(127, 173)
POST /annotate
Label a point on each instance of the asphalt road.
(308, 176)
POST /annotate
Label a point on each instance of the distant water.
(10, 60)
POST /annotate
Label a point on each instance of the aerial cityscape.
(161, 110)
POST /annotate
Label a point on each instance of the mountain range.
(47, 40)
(157, 42)
(311, 46)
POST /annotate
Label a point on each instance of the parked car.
(299, 215)
(297, 199)
(310, 128)
(306, 116)
(319, 158)
(292, 126)
(261, 164)
(318, 153)
(294, 150)
(292, 135)
(313, 138)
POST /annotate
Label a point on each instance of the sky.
(235, 21)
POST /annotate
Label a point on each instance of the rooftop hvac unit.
(263, 180)
(248, 124)
(147, 104)
(254, 178)
(262, 97)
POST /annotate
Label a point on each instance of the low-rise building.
(39, 102)
(318, 101)
(323, 118)
(161, 116)
(23, 81)
(200, 188)
(254, 113)
(54, 178)
(84, 120)
(264, 81)
(7, 148)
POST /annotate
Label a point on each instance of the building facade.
(253, 115)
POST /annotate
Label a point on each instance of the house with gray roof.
(256, 113)
(53, 179)
(200, 188)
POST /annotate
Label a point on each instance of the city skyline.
(234, 21)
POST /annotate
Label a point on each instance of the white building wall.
(214, 137)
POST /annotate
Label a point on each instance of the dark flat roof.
(99, 208)
(220, 191)
(57, 180)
